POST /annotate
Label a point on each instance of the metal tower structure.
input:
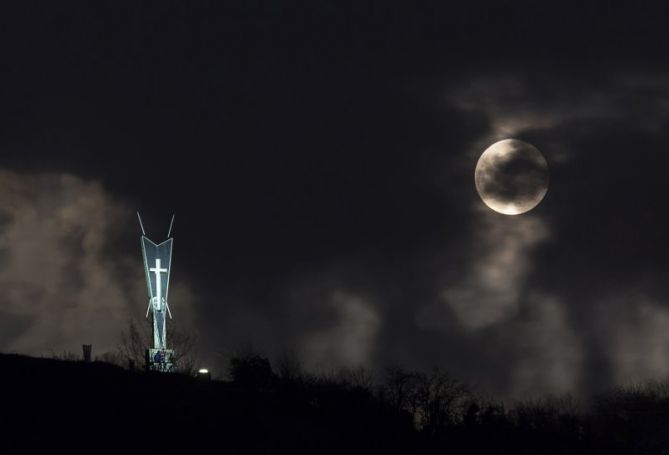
(157, 265)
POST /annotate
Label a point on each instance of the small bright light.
(203, 371)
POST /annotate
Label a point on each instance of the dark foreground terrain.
(76, 407)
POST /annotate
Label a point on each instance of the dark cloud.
(601, 214)
(320, 161)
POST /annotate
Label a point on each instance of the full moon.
(511, 177)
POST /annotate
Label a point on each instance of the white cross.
(159, 289)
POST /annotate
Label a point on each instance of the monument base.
(160, 360)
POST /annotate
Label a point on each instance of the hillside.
(78, 407)
(89, 407)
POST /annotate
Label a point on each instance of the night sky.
(320, 157)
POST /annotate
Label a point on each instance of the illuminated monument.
(157, 264)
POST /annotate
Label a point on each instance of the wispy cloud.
(350, 340)
(62, 277)
(499, 261)
(635, 330)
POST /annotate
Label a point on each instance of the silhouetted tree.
(250, 370)
(357, 377)
(114, 357)
(288, 366)
(134, 343)
(440, 399)
(137, 338)
(401, 389)
(434, 400)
